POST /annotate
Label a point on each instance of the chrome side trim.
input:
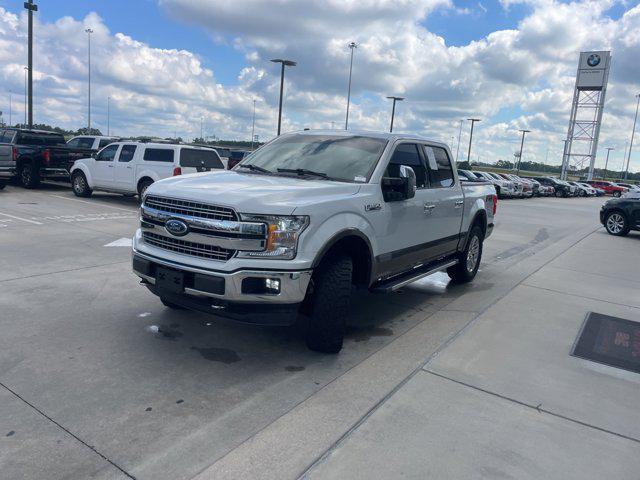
(423, 274)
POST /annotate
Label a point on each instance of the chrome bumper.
(7, 172)
(293, 284)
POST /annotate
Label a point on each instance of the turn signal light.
(177, 171)
(46, 156)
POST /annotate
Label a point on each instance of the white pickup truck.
(303, 219)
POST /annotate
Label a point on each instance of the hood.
(252, 192)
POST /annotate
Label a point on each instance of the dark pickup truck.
(35, 155)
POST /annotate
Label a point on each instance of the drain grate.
(610, 340)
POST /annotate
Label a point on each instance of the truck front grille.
(188, 248)
(186, 207)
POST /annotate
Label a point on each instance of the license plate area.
(169, 280)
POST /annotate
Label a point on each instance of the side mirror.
(400, 188)
(94, 154)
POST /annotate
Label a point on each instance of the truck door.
(407, 232)
(6, 148)
(445, 200)
(124, 171)
(103, 168)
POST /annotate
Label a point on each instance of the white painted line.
(22, 219)
(92, 203)
(122, 242)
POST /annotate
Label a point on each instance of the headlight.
(282, 235)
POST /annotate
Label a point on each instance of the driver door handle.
(459, 203)
(428, 208)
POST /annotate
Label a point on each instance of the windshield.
(349, 159)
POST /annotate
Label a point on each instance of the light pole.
(108, 115)
(459, 136)
(31, 7)
(606, 163)
(473, 121)
(352, 46)
(393, 110)
(524, 132)
(26, 70)
(89, 32)
(201, 130)
(284, 63)
(10, 106)
(253, 123)
(626, 170)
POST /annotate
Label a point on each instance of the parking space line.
(21, 219)
(92, 203)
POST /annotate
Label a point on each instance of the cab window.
(127, 153)
(440, 169)
(107, 154)
(104, 142)
(407, 154)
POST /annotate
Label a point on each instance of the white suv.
(130, 167)
(91, 142)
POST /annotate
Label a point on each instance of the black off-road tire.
(171, 305)
(617, 224)
(469, 260)
(29, 176)
(79, 185)
(329, 304)
(142, 187)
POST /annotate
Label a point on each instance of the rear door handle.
(459, 203)
(428, 208)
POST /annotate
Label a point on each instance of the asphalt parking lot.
(99, 380)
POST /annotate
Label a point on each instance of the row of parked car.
(104, 163)
(513, 186)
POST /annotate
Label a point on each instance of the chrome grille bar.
(186, 207)
(188, 248)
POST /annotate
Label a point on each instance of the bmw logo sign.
(176, 227)
(593, 60)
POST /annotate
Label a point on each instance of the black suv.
(562, 188)
(620, 215)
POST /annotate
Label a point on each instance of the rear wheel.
(617, 224)
(329, 304)
(80, 185)
(29, 177)
(617, 193)
(142, 187)
(469, 260)
(583, 193)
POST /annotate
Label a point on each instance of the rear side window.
(440, 169)
(7, 137)
(104, 142)
(127, 153)
(191, 157)
(85, 143)
(158, 155)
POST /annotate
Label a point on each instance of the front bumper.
(236, 295)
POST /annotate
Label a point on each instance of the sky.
(169, 66)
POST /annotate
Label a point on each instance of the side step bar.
(397, 282)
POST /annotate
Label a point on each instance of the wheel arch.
(358, 246)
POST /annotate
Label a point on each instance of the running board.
(395, 283)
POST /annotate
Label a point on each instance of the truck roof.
(373, 134)
(32, 130)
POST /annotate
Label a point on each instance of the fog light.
(272, 285)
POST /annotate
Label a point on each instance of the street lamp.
(352, 46)
(606, 163)
(393, 110)
(459, 135)
(524, 132)
(473, 121)
(253, 123)
(284, 63)
(31, 7)
(626, 171)
(108, 115)
(26, 72)
(88, 31)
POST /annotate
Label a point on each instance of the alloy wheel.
(615, 223)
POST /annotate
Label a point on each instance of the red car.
(609, 188)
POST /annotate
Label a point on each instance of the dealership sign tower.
(586, 112)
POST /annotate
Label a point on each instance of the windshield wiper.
(254, 168)
(303, 171)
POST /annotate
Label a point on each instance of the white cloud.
(515, 78)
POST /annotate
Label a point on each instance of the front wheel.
(559, 193)
(583, 193)
(469, 260)
(29, 177)
(143, 188)
(616, 224)
(330, 301)
(80, 185)
(617, 194)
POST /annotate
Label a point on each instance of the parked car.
(561, 188)
(527, 186)
(304, 218)
(584, 190)
(620, 215)
(91, 142)
(36, 155)
(630, 186)
(518, 185)
(468, 176)
(609, 188)
(504, 188)
(598, 192)
(130, 167)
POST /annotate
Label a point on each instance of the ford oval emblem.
(176, 227)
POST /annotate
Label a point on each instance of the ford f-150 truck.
(302, 220)
(35, 155)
